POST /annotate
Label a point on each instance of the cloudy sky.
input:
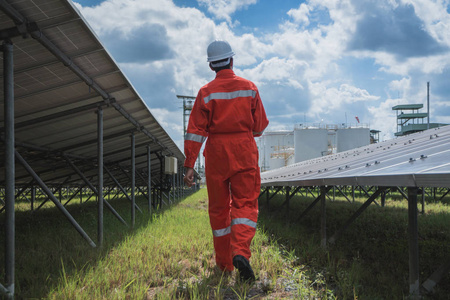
(314, 61)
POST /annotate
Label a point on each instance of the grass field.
(169, 255)
(370, 260)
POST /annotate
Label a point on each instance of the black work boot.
(245, 270)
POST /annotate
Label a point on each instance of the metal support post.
(160, 177)
(175, 177)
(343, 193)
(288, 189)
(74, 194)
(174, 188)
(91, 186)
(8, 81)
(423, 200)
(334, 193)
(180, 180)
(53, 198)
(178, 183)
(177, 194)
(100, 175)
(120, 187)
(413, 243)
(133, 180)
(363, 207)
(149, 179)
(313, 203)
(353, 193)
(323, 218)
(33, 196)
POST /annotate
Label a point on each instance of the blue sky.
(313, 61)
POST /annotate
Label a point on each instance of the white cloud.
(223, 9)
(172, 122)
(300, 15)
(279, 71)
(435, 16)
(384, 118)
(296, 66)
(399, 88)
(328, 100)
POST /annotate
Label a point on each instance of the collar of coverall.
(225, 73)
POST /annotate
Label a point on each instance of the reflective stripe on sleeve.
(195, 137)
(222, 232)
(231, 95)
(244, 221)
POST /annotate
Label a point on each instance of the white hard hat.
(219, 50)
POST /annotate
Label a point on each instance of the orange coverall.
(229, 112)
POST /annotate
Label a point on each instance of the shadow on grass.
(370, 259)
(49, 249)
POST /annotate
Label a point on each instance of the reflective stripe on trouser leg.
(219, 218)
(245, 189)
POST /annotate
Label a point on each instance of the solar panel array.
(62, 74)
(421, 159)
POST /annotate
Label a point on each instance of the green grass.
(370, 260)
(169, 255)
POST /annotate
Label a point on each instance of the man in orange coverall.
(229, 112)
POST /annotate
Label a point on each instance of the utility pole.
(188, 104)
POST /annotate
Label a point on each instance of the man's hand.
(189, 177)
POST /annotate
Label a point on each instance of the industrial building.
(282, 148)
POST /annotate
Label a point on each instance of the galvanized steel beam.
(323, 216)
(274, 194)
(133, 180)
(12, 13)
(94, 141)
(120, 187)
(8, 89)
(100, 175)
(149, 178)
(62, 114)
(413, 233)
(343, 194)
(94, 189)
(53, 198)
(73, 195)
(54, 61)
(366, 204)
(313, 203)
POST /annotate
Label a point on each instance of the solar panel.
(421, 159)
(45, 85)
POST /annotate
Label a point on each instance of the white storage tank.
(276, 162)
(310, 143)
(351, 138)
(273, 142)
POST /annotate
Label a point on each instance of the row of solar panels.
(421, 159)
(62, 75)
